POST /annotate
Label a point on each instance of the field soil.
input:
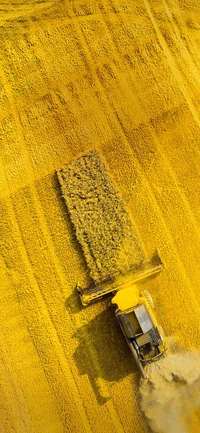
(123, 78)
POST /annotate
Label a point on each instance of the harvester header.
(119, 281)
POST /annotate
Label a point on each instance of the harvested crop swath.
(102, 225)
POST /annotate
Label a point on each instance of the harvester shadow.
(103, 354)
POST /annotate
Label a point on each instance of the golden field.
(122, 77)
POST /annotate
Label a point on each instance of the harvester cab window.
(143, 318)
(130, 324)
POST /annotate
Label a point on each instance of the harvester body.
(139, 326)
(133, 311)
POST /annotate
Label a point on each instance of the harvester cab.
(139, 326)
(133, 311)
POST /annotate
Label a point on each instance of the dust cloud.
(170, 398)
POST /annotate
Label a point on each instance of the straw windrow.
(102, 225)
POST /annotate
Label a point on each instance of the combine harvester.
(134, 311)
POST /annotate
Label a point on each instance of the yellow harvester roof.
(126, 298)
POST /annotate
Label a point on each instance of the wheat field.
(121, 77)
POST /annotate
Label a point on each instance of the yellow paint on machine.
(121, 77)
